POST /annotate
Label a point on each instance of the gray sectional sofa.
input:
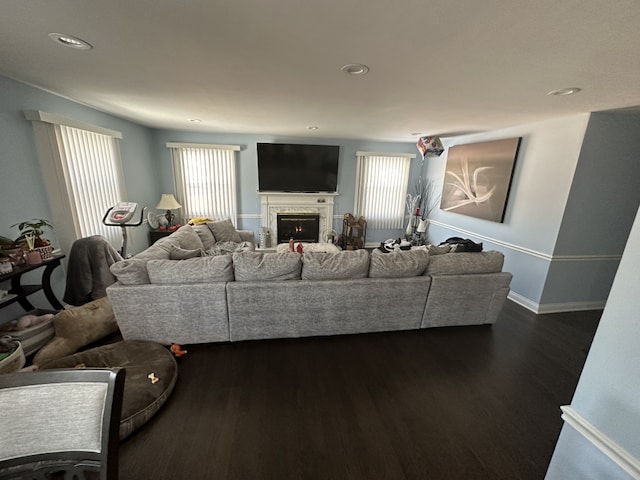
(174, 293)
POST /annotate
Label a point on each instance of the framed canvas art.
(478, 178)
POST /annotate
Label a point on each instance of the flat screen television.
(287, 167)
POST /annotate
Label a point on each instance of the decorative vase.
(409, 230)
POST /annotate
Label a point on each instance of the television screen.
(285, 167)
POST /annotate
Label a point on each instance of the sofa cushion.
(177, 253)
(334, 266)
(224, 231)
(193, 270)
(266, 266)
(78, 327)
(465, 262)
(187, 238)
(131, 272)
(398, 264)
(206, 237)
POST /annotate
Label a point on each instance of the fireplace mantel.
(274, 203)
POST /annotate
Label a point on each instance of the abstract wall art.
(478, 178)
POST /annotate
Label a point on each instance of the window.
(205, 178)
(83, 175)
(381, 188)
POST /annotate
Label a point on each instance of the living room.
(572, 205)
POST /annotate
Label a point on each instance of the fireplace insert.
(302, 227)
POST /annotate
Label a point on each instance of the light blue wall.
(22, 192)
(603, 200)
(249, 202)
(609, 387)
(572, 201)
(540, 188)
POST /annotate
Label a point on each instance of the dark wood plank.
(447, 403)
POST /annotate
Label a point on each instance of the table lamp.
(168, 202)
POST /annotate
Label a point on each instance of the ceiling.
(274, 67)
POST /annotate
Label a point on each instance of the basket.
(45, 252)
(15, 361)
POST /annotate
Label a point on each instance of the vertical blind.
(205, 178)
(93, 177)
(381, 188)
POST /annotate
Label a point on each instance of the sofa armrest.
(247, 236)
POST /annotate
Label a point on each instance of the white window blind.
(91, 165)
(381, 188)
(205, 178)
(83, 175)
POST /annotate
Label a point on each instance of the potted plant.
(33, 229)
(31, 232)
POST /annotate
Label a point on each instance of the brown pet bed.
(143, 396)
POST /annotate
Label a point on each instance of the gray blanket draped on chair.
(88, 273)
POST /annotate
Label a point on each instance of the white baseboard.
(542, 308)
(606, 445)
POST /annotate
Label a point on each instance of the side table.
(155, 235)
(21, 292)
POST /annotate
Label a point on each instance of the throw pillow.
(335, 266)
(268, 266)
(76, 328)
(439, 249)
(177, 253)
(224, 231)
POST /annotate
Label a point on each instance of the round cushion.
(142, 397)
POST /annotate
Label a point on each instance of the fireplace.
(296, 204)
(302, 227)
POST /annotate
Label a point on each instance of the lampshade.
(168, 202)
(430, 146)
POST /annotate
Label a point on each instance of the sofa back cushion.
(177, 253)
(465, 262)
(187, 238)
(335, 266)
(398, 264)
(224, 231)
(206, 237)
(259, 266)
(133, 271)
(192, 270)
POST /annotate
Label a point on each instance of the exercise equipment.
(121, 215)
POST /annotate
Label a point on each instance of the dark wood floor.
(447, 403)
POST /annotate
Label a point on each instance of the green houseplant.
(33, 229)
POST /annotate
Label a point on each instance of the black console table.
(155, 235)
(21, 292)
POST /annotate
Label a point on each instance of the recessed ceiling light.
(415, 134)
(312, 127)
(355, 69)
(70, 41)
(195, 120)
(564, 91)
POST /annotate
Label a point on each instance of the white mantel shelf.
(274, 203)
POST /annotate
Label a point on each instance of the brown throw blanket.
(88, 273)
